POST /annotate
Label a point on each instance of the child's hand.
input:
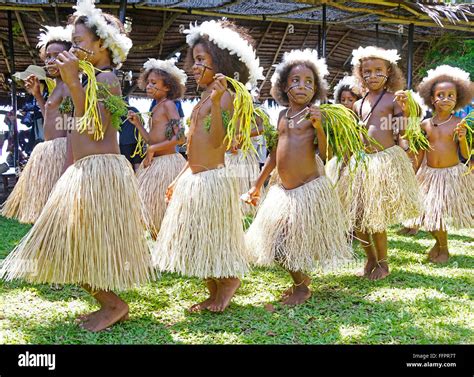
(169, 192)
(32, 85)
(148, 158)
(315, 116)
(402, 99)
(460, 130)
(252, 197)
(219, 88)
(68, 65)
(133, 118)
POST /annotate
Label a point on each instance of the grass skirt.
(245, 170)
(90, 231)
(333, 170)
(202, 234)
(448, 198)
(382, 192)
(302, 229)
(32, 190)
(152, 184)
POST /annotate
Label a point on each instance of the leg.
(212, 287)
(443, 253)
(112, 310)
(226, 289)
(433, 253)
(381, 245)
(369, 249)
(300, 291)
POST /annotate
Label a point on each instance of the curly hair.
(176, 89)
(345, 88)
(109, 18)
(222, 61)
(396, 80)
(278, 90)
(464, 90)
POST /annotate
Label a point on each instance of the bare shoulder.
(425, 124)
(111, 80)
(227, 101)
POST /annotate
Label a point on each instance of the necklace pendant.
(291, 123)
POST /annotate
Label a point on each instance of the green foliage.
(450, 49)
(115, 105)
(226, 118)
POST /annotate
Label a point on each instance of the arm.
(170, 189)
(461, 132)
(68, 65)
(135, 120)
(325, 151)
(33, 87)
(221, 100)
(69, 156)
(256, 131)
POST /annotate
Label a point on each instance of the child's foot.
(433, 252)
(289, 291)
(381, 271)
(86, 317)
(299, 295)
(212, 286)
(369, 267)
(106, 317)
(443, 255)
(407, 231)
(226, 289)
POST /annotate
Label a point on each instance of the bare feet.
(86, 317)
(407, 231)
(380, 271)
(299, 295)
(212, 287)
(433, 252)
(226, 289)
(112, 310)
(289, 291)
(369, 267)
(443, 255)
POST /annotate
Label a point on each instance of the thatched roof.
(277, 26)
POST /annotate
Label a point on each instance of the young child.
(346, 92)
(300, 223)
(90, 231)
(384, 190)
(446, 185)
(165, 83)
(201, 234)
(47, 161)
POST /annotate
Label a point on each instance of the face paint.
(84, 50)
(308, 88)
(202, 73)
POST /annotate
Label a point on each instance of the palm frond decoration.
(451, 12)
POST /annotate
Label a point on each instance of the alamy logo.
(37, 360)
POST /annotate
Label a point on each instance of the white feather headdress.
(447, 70)
(307, 56)
(351, 82)
(54, 34)
(374, 52)
(167, 66)
(117, 42)
(228, 39)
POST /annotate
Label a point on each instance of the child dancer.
(90, 231)
(165, 83)
(383, 191)
(446, 185)
(201, 234)
(300, 223)
(48, 159)
(346, 92)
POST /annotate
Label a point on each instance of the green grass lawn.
(419, 303)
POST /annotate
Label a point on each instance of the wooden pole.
(411, 30)
(323, 50)
(13, 85)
